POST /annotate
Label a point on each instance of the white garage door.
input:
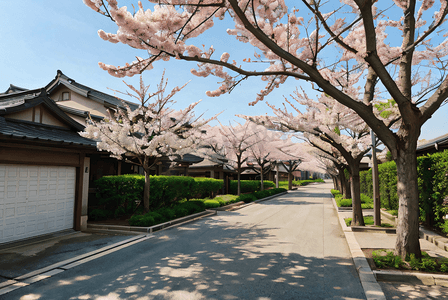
(35, 200)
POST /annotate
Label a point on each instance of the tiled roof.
(431, 143)
(39, 132)
(189, 158)
(16, 102)
(14, 89)
(86, 91)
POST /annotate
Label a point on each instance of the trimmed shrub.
(335, 192)
(166, 214)
(343, 202)
(211, 204)
(247, 198)
(262, 194)
(275, 191)
(206, 187)
(118, 194)
(249, 186)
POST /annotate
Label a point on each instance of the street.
(290, 247)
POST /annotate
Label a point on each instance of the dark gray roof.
(16, 102)
(189, 158)
(14, 89)
(39, 132)
(86, 91)
(441, 140)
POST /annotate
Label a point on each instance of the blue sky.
(41, 37)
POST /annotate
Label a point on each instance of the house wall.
(38, 114)
(26, 115)
(79, 102)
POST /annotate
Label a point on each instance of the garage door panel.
(20, 228)
(21, 209)
(41, 208)
(10, 211)
(51, 206)
(31, 208)
(35, 200)
(8, 232)
(31, 228)
(11, 171)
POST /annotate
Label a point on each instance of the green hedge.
(249, 186)
(433, 188)
(117, 195)
(432, 185)
(387, 181)
(166, 214)
(206, 187)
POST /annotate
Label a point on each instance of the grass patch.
(393, 212)
(368, 220)
(387, 259)
(366, 201)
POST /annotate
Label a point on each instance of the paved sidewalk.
(419, 286)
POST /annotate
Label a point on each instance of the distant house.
(44, 167)
(432, 146)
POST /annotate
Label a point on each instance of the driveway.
(290, 247)
(20, 258)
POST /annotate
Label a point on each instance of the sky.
(40, 37)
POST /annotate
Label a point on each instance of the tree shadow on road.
(211, 259)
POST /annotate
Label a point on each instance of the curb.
(438, 240)
(145, 230)
(418, 278)
(260, 200)
(371, 287)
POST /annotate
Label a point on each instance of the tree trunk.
(355, 185)
(239, 183)
(345, 188)
(335, 183)
(276, 175)
(261, 179)
(408, 210)
(289, 181)
(146, 192)
(348, 188)
(341, 184)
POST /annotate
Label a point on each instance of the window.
(65, 96)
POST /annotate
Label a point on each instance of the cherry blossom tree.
(237, 140)
(398, 46)
(327, 124)
(270, 148)
(147, 134)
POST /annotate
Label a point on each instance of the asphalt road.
(290, 247)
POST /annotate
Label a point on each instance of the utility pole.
(376, 187)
